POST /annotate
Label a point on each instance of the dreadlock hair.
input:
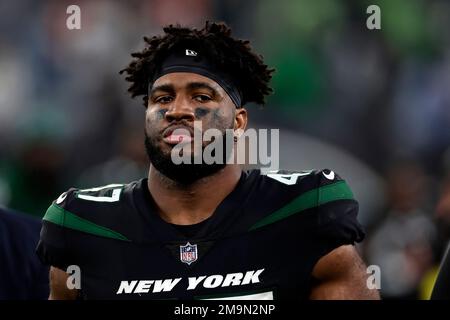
(228, 53)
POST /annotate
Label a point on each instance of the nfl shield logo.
(188, 253)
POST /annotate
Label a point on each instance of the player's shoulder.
(110, 196)
(282, 194)
(302, 181)
(99, 210)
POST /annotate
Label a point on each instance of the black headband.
(188, 60)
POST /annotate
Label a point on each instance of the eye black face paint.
(218, 117)
(201, 112)
(160, 114)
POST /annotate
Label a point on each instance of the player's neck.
(190, 204)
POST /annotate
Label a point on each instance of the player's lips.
(177, 133)
(177, 138)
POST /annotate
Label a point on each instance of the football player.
(205, 231)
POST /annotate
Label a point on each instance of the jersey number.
(114, 197)
(289, 179)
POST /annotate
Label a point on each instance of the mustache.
(187, 126)
(183, 124)
(171, 128)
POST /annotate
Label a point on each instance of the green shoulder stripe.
(64, 218)
(313, 198)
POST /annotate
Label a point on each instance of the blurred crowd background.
(373, 105)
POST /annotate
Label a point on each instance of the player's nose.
(180, 109)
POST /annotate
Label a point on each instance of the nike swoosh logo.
(329, 176)
(61, 198)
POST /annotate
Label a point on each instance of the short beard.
(184, 174)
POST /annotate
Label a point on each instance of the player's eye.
(163, 99)
(202, 98)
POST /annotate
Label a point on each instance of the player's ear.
(240, 119)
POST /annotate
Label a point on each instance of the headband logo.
(191, 53)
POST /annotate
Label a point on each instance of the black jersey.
(261, 242)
